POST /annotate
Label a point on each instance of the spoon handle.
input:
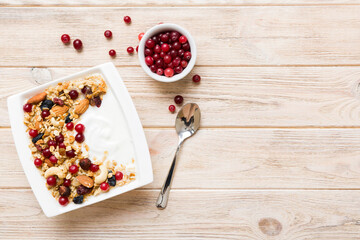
(165, 190)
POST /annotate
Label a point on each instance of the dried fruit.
(78, 199)
(82, 106)
(112, 181)
(37, 98)
(37, 138)
(97, 101)
(64, 191)
(46, 104)
(85, 163)
(82, 190)
(58, 101)
(85, 181)
(68, 119)
(60, 110)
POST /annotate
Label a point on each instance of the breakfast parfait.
(58, 145)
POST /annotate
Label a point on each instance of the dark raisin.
(46, 104)
(38, 147)
(78, 199)
(82, 190)
(58, 101)
(112, 181)
(64, 191)
(86, 90)
(37, 138)
(68, 119)
(97, 101)
(85, 163)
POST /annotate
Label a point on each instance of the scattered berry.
(70, 153)
(33, 133)
(127, 19)
(137, 48)
(172, 108)
(78, 199)
(119, 175)
(108, 34)
(73, 94)
(65, 38)
(77, 44)
(94, 167)
(63, 201)
(62, 145)
(73, 169)
(104, 186)
(196, 78)
(79, 137)
(45, 113)
(112, 181)
(51, 143)
(37, 162)
(80, 128)
(112, 53)
(51, 180)
(53, 159)
(27, 107)
(59, 138)
(140, 36)
(46, 153)
(67, 182)
(130, 50)
(178, 99)
(70, 126)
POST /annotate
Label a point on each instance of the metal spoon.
(187, 123)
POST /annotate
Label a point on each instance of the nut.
(48, 162)
(85, 181)
(103, 174)
(54, 171)
(85, 163)
(59, 110)
(64, 191)
(82, 106)
(37, 98)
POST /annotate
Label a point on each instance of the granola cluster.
(58, 148)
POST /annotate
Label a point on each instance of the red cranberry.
(33, 133)
(137, 48)
(112, 53)
(70, 126)
(73, 94)
(140, 36)
(184, 63)
(169, 72)
(80, 128)
(77, 44)
(45, 113)
(148, 52)
(170, 65)
(159, 63)
(27, 107)
(182, 39)
(62, 145)
(165, 47)
(178, 69)
(176, 45)
(173, 53)
(196, 78)
(38, 147)
(157, 48)
(37, 162)
(176, 62)
(119, 175)
(51, 143)
(186, 46)
(63, 201)
(149, 60)
(53, 159)
(172, 108)
(59, 138)
(46, 152)
(94, 167)
(58, 101)
(160, 71)
(162, 54)
(65, 38)
(108, 34)
(67, 182)
(51, 180)
(178, 99)
(70, 153)
(181, 53)
(127, 19)
(164, 38)
(167, 59)
(73, 169)
(174, 36)
(104, 186)
(187, 56)
(86, 90)
(150, 43)
(156, 57)
(79, 137)
(130, 50)
(153, 68)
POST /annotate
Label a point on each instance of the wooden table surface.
(278, 153)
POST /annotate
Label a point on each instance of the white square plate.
(126, 108)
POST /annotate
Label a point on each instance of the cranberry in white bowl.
(167, 52)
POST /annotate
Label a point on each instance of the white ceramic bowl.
(121, 102)
(162, 28)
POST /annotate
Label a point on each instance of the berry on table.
(65, 38)
(127, 19)
(178, 99)
(108, 34)
(172, 108)
(77, 44)
(196, 78)
(130, 50)
(140, 36)
(137, 48)
(112, 53)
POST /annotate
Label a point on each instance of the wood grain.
(228, 96)
(239, 158)
(196, 214)
(246, 36)
(161, 3)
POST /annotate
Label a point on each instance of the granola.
(58, 144)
